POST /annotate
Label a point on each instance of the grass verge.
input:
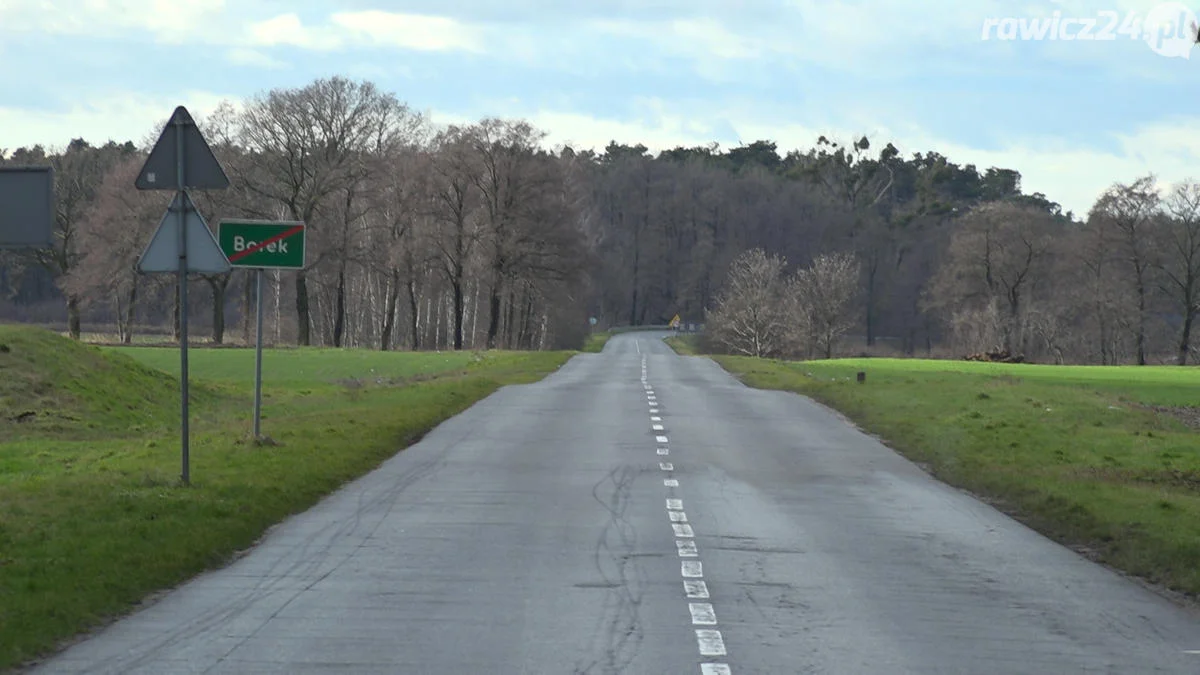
(1101, 459)
(686, 345)
(596, 341)
(92, 515)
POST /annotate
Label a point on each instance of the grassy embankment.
(92, 515)
(1099, 458)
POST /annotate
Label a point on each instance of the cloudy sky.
(1072, 115)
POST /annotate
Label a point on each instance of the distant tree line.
(480, 236)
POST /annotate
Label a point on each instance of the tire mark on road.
(619, 625)
(295, 572)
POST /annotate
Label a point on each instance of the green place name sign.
(262, 244)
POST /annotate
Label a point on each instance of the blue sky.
(1072, 116)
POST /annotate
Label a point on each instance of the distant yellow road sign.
(674, 322)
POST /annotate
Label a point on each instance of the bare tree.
(454, 200)
(978, 329)
(999, 253)
(307, 149)
(509, 186)
(397, 250)
(860, 183)
(824, 293)
(1179, 263)
(750, 317)
(1093, 272)
(1131, 211)
(79, 171)
(111, 237)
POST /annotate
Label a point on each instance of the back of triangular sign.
(204, 256)
(201, 170)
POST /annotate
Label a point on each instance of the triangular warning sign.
(201, 170)
(203, 254)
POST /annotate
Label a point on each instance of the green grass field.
(92, 515)
(301, 367)
(687, 345)
(1099, 458)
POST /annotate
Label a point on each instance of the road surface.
(552, 529)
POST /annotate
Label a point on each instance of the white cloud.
(120, 116)
(168, 20)
(885, 37)
(241, 56)
(701, 36)
(287, 29)
(216, 22)
(409, 31)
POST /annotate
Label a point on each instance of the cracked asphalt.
(528, 535)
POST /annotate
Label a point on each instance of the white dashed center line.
(711, 643)
(702, 614)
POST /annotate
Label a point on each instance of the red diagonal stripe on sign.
(261, 245)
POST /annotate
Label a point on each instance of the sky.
(1074, 95)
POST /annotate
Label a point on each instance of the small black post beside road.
(182, 160)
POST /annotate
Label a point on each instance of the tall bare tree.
(111, 237)
(79, 171)
(510, 185)
(454, 204)
(999, 253)
(1131, 211)
(1179, 259)
(823, 293)
(307, 148)
(398, 249)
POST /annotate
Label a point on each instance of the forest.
(481, 236)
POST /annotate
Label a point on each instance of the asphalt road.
(534, 534)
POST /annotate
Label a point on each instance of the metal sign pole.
(258, 349)
(183, 297)
(198, 170)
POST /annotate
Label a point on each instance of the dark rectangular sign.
(26, 207)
